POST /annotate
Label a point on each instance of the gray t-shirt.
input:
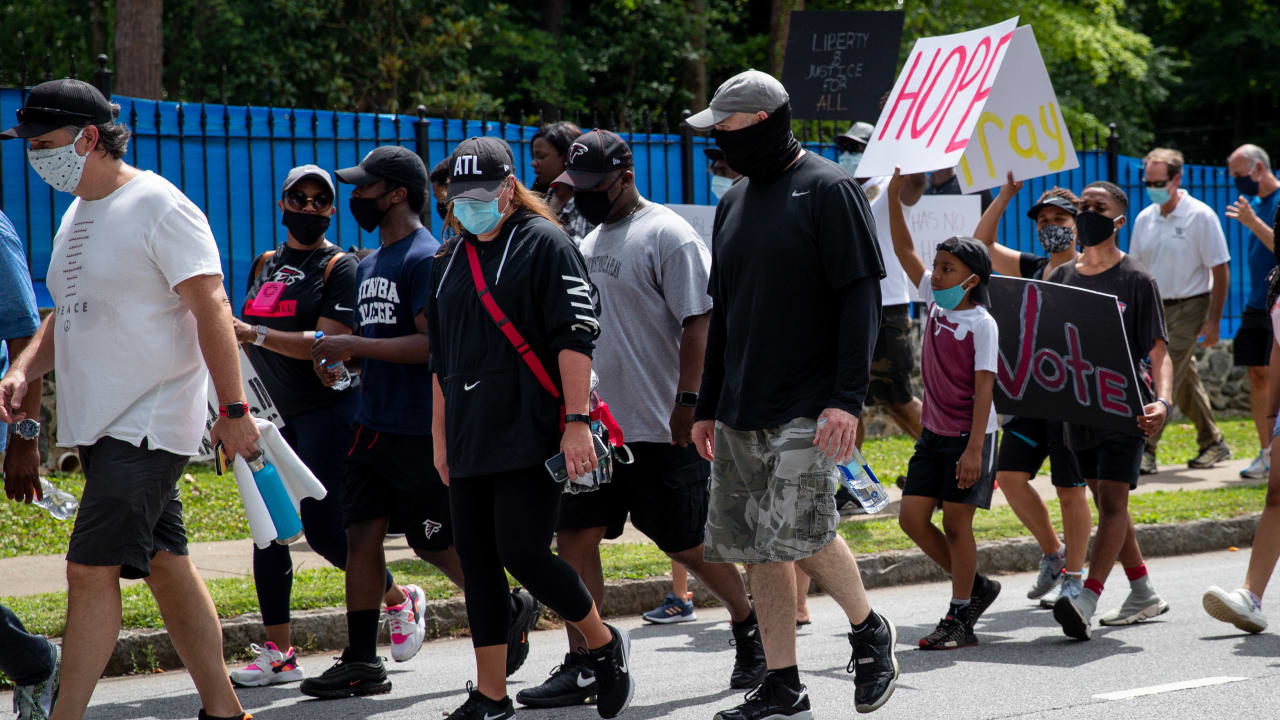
(651, 269)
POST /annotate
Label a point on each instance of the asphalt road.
(1023, 668)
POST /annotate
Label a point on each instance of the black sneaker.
(348, 678)
(749, 665)
(952, 632)
(526, 617)
(1210, 456)
(572, 683)
(614, 683)
(874, 665)
(771, 700)
(480, 707)
(985, 592)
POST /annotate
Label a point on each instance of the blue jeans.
(27, 659)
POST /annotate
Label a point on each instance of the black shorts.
(1026, 442)
(130, 509)
(394, 476)
(932, 470)
(1252, 345)
(893, 360)
(666, 491)
(1107, 454)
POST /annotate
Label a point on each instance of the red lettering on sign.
(1059, 378)
(1080, 368)
(985, 46)
(1015, 384)
(913, 95)
(916, 130)
(984, 89)
(1111, 392)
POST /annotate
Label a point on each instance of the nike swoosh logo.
(340, 308)
(499, 716)
(468, 386)
(799, 699)
(795, 193)
(584, 681)
(623, 666)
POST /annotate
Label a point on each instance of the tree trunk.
(552, 21)
(779, 24)
(695, 70)
(139, 57)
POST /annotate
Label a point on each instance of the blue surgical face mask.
(1159, 196)
(849, 162)
(477, 216)
(719, 186)
(949, 298)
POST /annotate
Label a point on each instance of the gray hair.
(1255, 155)
(113, 137)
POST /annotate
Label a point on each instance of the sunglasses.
(1155, 183)
(298, 200)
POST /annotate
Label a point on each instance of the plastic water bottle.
(279, 506)
(863, 483)
(344, 377)
(60, 503)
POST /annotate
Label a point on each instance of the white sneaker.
(408, 626)
(1235, 607)
(1142, 603)
(35, 702)
(270, 667)
(1260, 468)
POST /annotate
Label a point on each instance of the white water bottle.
(344, 376)
(863, 483)
(60, 503)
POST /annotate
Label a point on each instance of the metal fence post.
(686, 159)
(421, 134)
(102, 76)
(1113, 153)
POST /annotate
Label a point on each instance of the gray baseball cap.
(305, 171)
(859, 132)
(749, 91)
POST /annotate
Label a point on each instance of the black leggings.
(506, 520)
(320, 438)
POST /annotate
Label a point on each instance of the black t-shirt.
(952, 187)
(782, 253)
(1140, 306)
(1031, 266)
(307, 297)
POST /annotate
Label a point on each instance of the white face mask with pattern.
(61, 167)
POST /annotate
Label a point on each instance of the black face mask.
(442, 209)
(594, 205)
(1094, 228)
(366, 211)
(306, 228)
(1247, 186)
(761, 151)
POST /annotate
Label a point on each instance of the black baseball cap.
(478, 167)
(974, 255)
(57, 104)
(1055, 201)
(396, 164)
(593, 156)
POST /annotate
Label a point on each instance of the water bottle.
(863, 484)
(60, 503)
(344, 378)
(279, 506)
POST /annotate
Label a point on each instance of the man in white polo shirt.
(1180, 241)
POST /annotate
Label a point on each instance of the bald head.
(1250, 154)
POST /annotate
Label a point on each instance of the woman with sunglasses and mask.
(303, 287)
(550, 149)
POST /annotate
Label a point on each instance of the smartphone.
(268, 298)
(560, 473)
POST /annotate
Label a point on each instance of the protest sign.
(1020, 129)
(255, 393)
(1063, 355)
(839, 63)
(938, 217)
(701, 217)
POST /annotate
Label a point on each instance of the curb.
(326, 629)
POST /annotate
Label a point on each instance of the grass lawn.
(214, 513)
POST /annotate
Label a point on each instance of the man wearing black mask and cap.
(795, 282)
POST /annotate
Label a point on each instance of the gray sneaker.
(1050, 575)
(1210, 456)
(1260, 468)
(1143, 603)
(1148, 466)
(1071, 586)
(35, 702)
(1075, 614)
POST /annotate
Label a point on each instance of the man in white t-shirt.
(1180, 241)
(141, 312)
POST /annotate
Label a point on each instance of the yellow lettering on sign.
(1056, 135)
(983, 119)
(1032, 148)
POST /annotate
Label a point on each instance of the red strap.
(506, 326)
(605, 416)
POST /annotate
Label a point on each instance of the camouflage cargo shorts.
(772, 495)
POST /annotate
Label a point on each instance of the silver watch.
(262, 335)
(27, 429)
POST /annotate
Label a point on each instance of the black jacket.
(497, 416)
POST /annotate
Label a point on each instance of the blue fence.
(230, 160)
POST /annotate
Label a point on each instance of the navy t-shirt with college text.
(392, 285)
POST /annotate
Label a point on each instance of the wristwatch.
(262, 335)
(687, 398)
(27, 429)
(577, 417)
(234, 410)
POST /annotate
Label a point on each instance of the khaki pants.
(1183, 320)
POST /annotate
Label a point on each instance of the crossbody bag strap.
(506, 326)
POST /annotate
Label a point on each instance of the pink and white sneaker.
(408, 626)
(270, 667)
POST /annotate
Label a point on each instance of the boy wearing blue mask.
(954, 460)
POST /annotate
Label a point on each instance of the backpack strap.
(259, 263)
(329, 268)
(505, 325)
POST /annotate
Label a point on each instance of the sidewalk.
(33, 575)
